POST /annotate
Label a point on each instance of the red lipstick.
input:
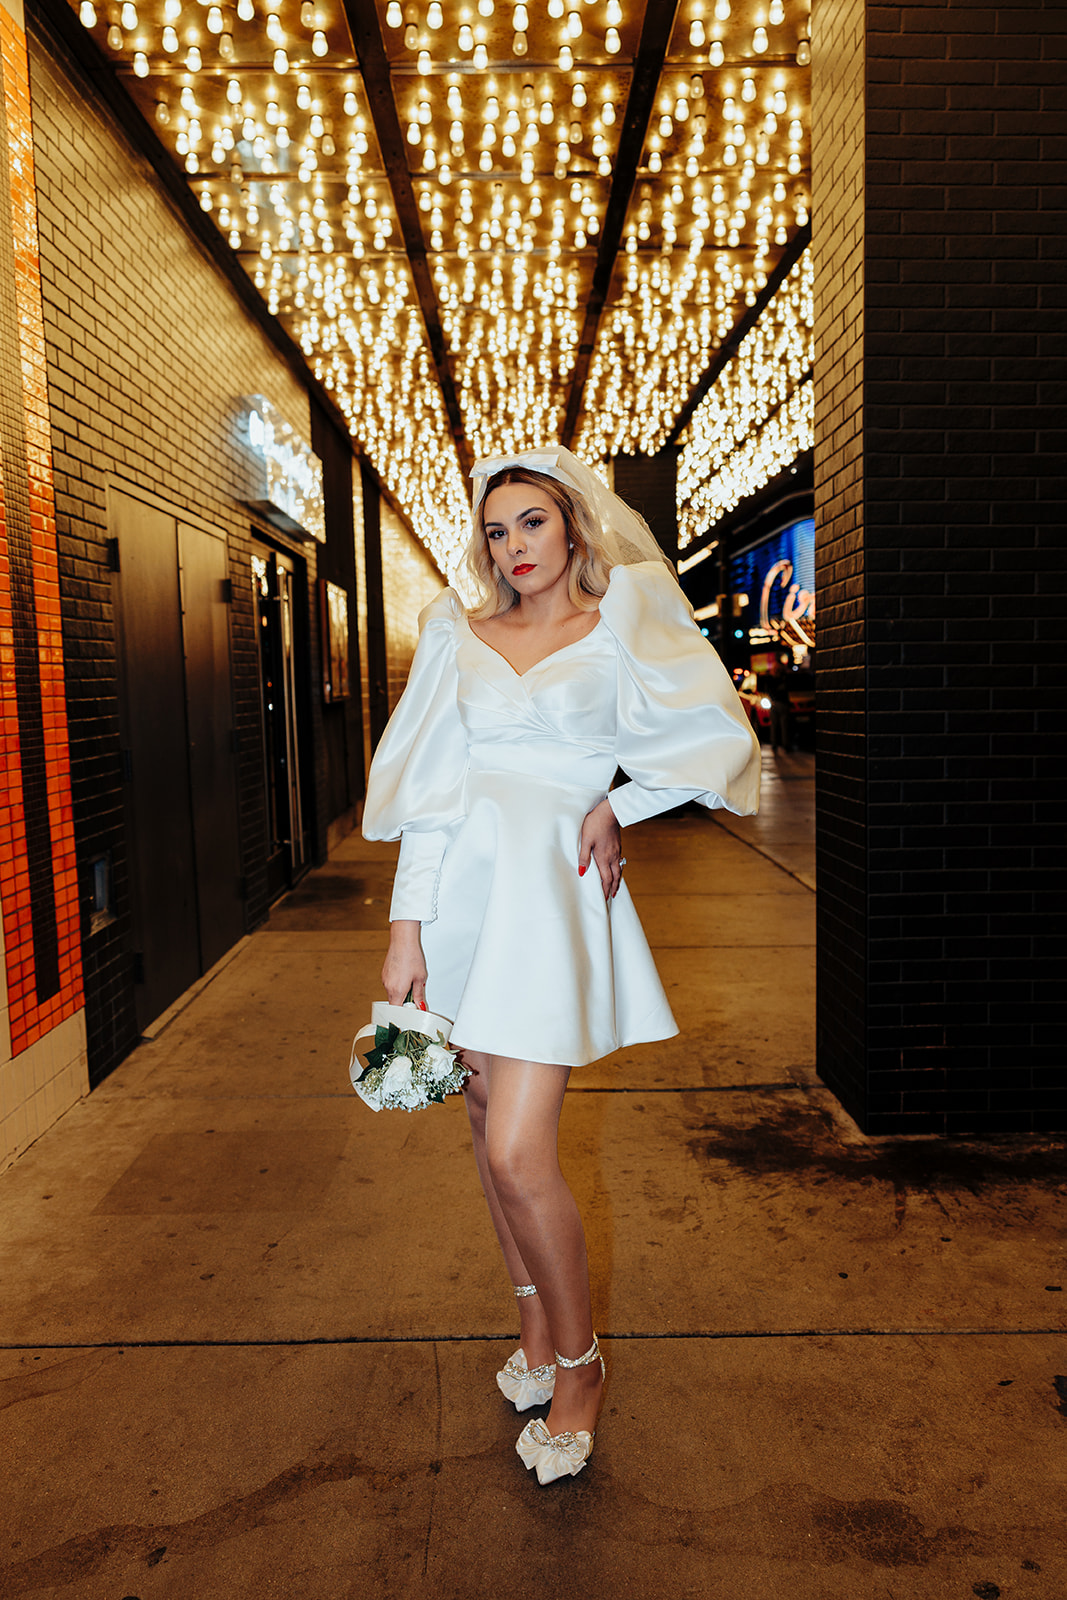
(523, 567)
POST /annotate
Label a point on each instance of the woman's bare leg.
(534, 1337)
(523, 1105)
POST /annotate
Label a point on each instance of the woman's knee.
(520, 1173)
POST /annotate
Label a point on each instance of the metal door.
(161, 859)
(209, 702)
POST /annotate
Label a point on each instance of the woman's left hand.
(601, 841)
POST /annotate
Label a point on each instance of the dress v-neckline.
(534, 666)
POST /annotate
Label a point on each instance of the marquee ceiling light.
(758, 417)
(446, 301)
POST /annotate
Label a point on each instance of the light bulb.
(574, 25)
(316, 127)
(716, 54)
(233, 91)
(565, 60)
(214, 20)
(612, 42)
(320, 45)
(466, 38)
(394, 16)
(480, 59)
(655, 162)
(114, 37)
(87, 14)
(759, 41)
(170, 38)
(193, 59)
(722, 10)
(411, 36)
(555, 9)
(696, 33)
(303, 97)
(776, 14)
(129, 16)
(140, 64)
(274, 29)
(245, 10)
(485, 8)
(162, 113)
(519, 44)
(226, 46)
(281, 62)
(614, 13)
(520, 21)
(804, 53)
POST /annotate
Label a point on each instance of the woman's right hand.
(405, 965)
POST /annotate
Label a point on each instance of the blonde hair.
(589, 570)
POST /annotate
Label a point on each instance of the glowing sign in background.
(778, 576)
(292, 476)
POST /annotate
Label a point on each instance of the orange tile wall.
(29, 1019)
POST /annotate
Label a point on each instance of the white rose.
(440, 1061)
(397, 1076)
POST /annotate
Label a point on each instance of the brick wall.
(838, 250)
(409, 581)
(148, 353)
(964, 508)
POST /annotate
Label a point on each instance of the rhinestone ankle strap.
(524, 1290)
(587, 1360)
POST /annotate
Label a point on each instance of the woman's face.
(527, 537)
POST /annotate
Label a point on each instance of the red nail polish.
(581, 872)
(423, 1006)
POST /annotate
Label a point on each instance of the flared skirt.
(525, 956)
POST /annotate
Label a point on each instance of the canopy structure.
(491, 226)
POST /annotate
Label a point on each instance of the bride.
(509, 910)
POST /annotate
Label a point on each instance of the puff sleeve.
(682, 732)
(417, 784)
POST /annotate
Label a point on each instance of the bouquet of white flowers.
(408, 1062)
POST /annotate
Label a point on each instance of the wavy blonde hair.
(589, 570)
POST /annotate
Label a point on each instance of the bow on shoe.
(553, 1455)
(526, 1386)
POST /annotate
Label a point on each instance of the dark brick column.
(939, 164)
(649, 484)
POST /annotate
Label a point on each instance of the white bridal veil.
(625, 538)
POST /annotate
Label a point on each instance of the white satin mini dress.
(486, 775)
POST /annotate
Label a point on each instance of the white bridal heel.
(526, 1386)
(554, 1455)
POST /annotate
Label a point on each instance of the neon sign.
(797, 606)
(290, 486)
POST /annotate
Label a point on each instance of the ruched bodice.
(555, 721)
(487, 774)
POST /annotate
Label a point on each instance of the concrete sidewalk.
(249, 1329)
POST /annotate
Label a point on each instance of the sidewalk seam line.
(494, 1338)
